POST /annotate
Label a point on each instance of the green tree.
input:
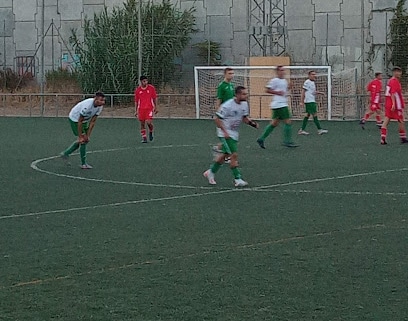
(399, 37)
(109, 49)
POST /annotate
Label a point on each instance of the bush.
(399, 38)
(108, 54)
(61, 80)
(11, 81)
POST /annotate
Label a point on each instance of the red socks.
(383, 133)
(143, 133)
(403, 135)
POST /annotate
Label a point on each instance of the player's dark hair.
(239, 89)
(279, 67)
(142, 78)
(227, 69)
(377, 74)
(311, 71)
(99, 94)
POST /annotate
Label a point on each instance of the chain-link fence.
(59, 105)
(345, 107)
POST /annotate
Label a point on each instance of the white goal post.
(255, 78)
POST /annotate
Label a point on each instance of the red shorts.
(145, 114)
(375, 106)
(394, 114)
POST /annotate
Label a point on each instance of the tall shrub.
(399, 37)
(108, 51)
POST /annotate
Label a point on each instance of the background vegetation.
(399, 37)
(108, 50)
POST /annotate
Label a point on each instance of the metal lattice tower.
(266, 25)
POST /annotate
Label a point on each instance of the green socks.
(74, 146)
(317, 123)
(82, 152)
(236, 173)
(287, 134)
(304, 124)
(315, 120)
(216, 166)
(268, 130)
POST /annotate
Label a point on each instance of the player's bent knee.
(234, 160)
(234, 164)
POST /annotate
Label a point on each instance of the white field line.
(84, 208)
(266, 188)
(357, 193)
(325, 179)
(201, 253)
(35, 165)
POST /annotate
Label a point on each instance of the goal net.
(255, 78)
(345, 100)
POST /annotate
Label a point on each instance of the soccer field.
(320, 234)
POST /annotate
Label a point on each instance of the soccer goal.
(255, 78)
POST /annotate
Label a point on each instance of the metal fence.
(344, 107)
(117, 105)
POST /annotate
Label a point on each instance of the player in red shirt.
(145, 107)
(394, 106)
(374, 88)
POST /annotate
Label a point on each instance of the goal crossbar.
(211, 91)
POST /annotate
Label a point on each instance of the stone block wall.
(342, 33)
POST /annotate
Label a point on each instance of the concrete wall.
(342, 33)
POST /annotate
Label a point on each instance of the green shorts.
(229, 145)
(311, 108)
(74, 127)
(281, 113)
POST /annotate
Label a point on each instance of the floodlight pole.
(362, 45)
(42, 69)
(139, 39)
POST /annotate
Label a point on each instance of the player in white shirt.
(82, 118)
(308, 97)
(279, 87)
(228, 119)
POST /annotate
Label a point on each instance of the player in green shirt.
(225, 89)
(225, 92)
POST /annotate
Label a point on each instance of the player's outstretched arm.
(250, 122)
(155, 110)
(136, 106)
(302, 97)
(274, 92)
(393, 102)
